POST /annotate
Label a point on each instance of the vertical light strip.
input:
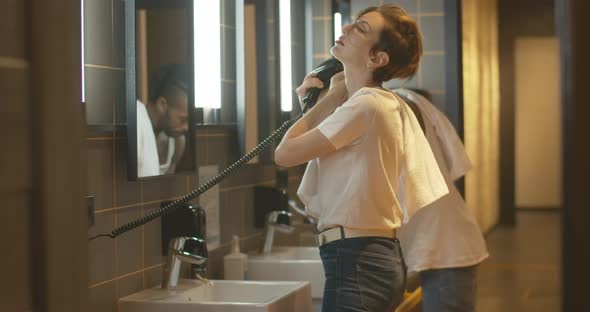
(82, 49)
(337, 25)
(207, 46)
(285, 55)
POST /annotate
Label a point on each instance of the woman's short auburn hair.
(401, 40)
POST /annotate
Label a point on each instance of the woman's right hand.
(310, 81)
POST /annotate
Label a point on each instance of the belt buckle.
(321, 238)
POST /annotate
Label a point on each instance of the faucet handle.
(196, 246)
(280, 220)
(189, 249)
(279, 217)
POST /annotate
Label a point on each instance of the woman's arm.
(303, 142)
(298, 150)
(335, 96)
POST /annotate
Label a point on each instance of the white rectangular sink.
(222, 296)
(289, 264)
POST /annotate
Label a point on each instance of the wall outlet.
(90, 209)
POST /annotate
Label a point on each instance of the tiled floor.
(523, 271)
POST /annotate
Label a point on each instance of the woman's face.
(353, 48)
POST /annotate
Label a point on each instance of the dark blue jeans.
(449, 290)
(364, 274)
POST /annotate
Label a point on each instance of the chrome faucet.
(277, 220)
(177, 253)
(281, 220)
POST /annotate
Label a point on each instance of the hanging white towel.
(420, 181)
(453, 151)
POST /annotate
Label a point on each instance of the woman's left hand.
(338, 89)
(336, 95)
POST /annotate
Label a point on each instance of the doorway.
(537, 123)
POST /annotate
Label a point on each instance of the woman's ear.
(379, 59)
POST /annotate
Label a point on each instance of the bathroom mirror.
(256, 74)
(159, 87)
(259, 34)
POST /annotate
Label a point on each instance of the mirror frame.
(268, 114)
(131, 89)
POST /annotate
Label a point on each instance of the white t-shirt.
(148, 163)
(443, 234)
(357, 186)
(169, 154)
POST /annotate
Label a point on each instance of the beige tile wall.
(15, 155)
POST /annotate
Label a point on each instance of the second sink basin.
(222, 296)
(289, 264)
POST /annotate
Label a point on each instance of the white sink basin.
(289, 264)
(222, 296)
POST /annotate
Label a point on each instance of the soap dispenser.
(235, 263)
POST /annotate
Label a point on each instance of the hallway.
(523, 271)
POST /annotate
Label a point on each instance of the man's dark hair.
(169, 81)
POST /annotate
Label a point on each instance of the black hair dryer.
(325, 71)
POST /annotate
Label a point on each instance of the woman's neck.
(356, 78)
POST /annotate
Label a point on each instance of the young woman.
(362, 153)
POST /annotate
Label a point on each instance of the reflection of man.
(166, 112)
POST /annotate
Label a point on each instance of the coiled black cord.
(203, 187)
